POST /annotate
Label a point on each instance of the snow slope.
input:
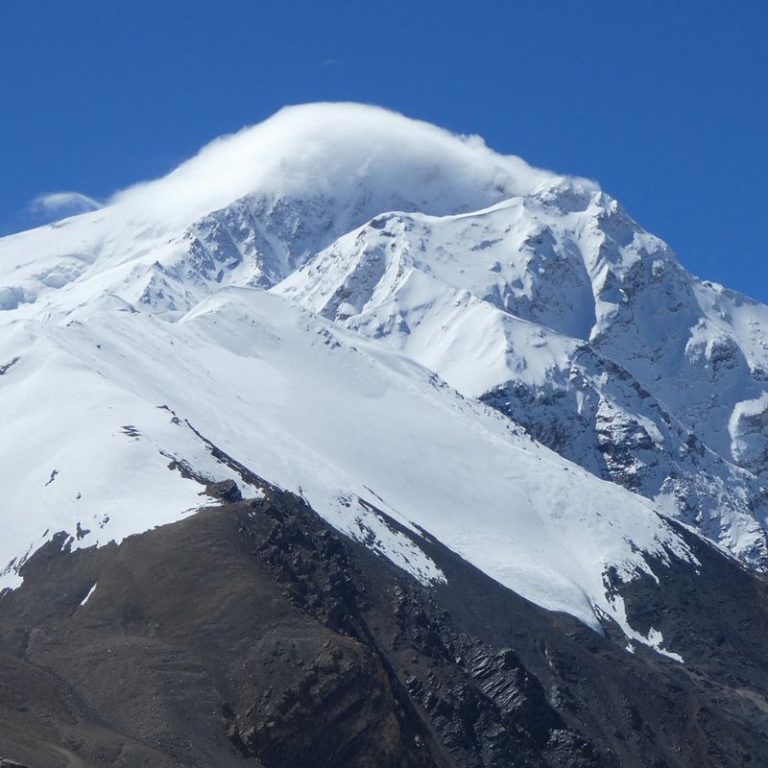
(557, 309)
(311, 409)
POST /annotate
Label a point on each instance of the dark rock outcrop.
(226, 490)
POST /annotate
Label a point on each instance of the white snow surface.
(89, 595)
(397, 257)
(313, 409)
(557, 307)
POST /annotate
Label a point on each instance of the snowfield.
(312, 409)
(378, 315)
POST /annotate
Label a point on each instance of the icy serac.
(143, 342)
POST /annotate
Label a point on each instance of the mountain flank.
(254, 633)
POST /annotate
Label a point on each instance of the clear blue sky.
(664, 103)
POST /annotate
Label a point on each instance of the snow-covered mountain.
(560, 311)
(435, 347)
(130, 331)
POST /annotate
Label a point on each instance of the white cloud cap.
(340, 149)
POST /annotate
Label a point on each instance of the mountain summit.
(392, 365)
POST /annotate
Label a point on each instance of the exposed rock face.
(253, 632)
(226, 490)
(595, 414)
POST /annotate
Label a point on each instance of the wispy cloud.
(62, 204)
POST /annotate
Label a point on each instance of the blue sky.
(664, 103)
